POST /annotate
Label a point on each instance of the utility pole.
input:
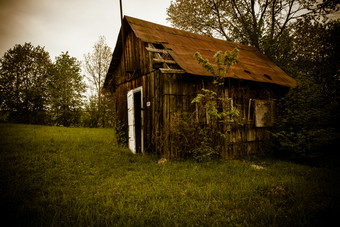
(123, 42)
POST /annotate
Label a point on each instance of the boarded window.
(264, 113)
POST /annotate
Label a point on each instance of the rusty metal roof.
(252, 64)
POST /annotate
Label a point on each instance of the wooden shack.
(154, 75)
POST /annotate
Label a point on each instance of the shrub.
(202, 135)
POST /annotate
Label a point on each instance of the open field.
(55, 176)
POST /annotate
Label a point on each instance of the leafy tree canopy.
(23, 80)
(66, 88)
(260, 23)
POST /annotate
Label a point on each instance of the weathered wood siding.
(176, 92)
(134, 72)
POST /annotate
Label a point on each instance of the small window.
(224, 105)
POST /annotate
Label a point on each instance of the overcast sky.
(70, 25)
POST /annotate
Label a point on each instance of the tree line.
(35, 90)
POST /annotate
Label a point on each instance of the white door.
(131, 122)
(135, 126)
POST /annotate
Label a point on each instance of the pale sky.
(70, 25)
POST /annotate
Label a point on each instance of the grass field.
(55, 176)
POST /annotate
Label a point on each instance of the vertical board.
(131, 121)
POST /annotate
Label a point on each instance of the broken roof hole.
(158, 46)
(247, 71)
(267, 76)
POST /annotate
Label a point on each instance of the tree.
(66, 88)
(260, 23)
(309, 121)
(316, 47)
(23, 83)
(96, 65)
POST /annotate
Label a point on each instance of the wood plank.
(150, 49)
(155, 60)
(163, 70)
